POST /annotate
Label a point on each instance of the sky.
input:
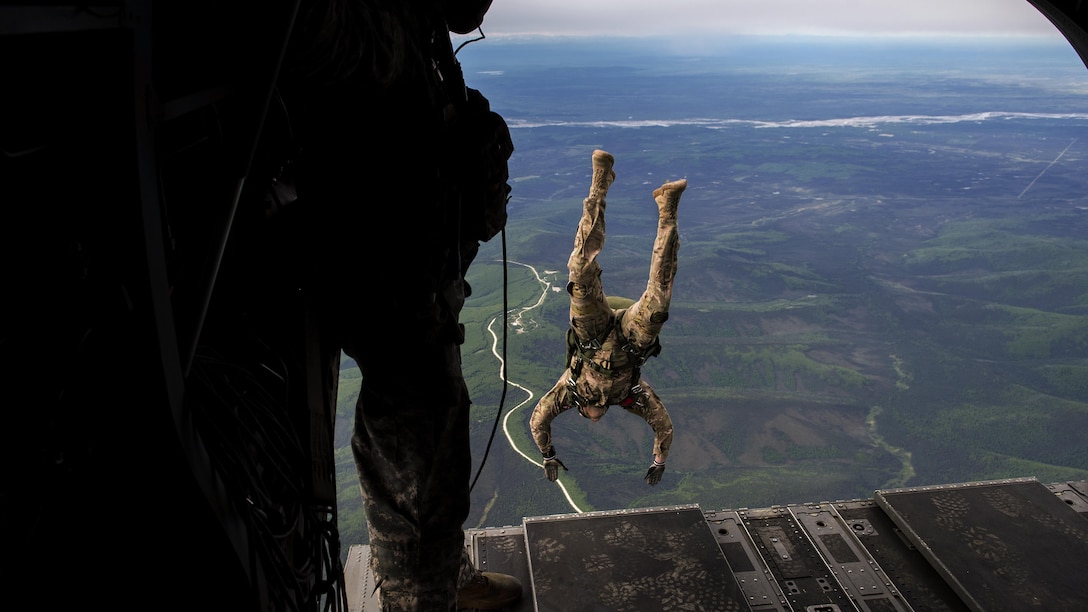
(515, 18)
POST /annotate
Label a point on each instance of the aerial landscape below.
(883, 279)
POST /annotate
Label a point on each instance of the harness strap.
(591, 346)
(600, 369)
(584, 351)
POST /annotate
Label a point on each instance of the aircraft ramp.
(1013, 544)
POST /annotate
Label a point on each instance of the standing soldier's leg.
(646, 316)
(589, 311)
(410, 445)
(411, 437)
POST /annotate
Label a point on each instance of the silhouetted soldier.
(401, 174)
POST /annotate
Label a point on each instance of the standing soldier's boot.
(489, 591)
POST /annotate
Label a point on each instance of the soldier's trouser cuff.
(417, 579)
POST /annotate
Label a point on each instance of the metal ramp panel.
(645, 559)
(1001, 545)
(858, 574)
(900, 560)
(757, 582)
(989, 545)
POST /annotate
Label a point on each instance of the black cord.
(502, 400)
(471, 40)
(241, 405)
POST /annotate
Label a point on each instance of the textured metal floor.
(651, 559)
(1013, 544)
(1003, 546)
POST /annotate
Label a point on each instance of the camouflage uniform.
(606, 376)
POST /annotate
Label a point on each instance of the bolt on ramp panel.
(1075, 494)
(645, 559)
(761, 591)
(1001, 545)
(857, 572)
(796, 565)
(359, 585)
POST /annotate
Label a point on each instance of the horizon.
(1050, 76)
(716, 44)
(790, 17)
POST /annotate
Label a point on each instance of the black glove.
(552, 465)
(653, 475)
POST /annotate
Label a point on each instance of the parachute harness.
(580, 353)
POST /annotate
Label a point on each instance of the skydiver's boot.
(589, 238)
(603, 174)
(653, 308)
(667, 197)
(489, 591)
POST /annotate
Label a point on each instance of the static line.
(1045, 169)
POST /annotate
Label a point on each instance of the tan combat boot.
(489, 591)
(667, 197)
(603, 174)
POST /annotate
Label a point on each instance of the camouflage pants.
(411, 448)
(590, 313)
(410, 442)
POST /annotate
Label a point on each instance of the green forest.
(786, 383)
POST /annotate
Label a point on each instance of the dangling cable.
(502, 399)
(471, 40)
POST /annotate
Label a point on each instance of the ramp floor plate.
(649, 559)
(1001, 545)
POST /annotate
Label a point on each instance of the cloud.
(708, 17)
(855, 122)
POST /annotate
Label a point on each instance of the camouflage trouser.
(412, 452)
(411, 447)
(589, 311)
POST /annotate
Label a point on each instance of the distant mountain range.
(883, 274)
